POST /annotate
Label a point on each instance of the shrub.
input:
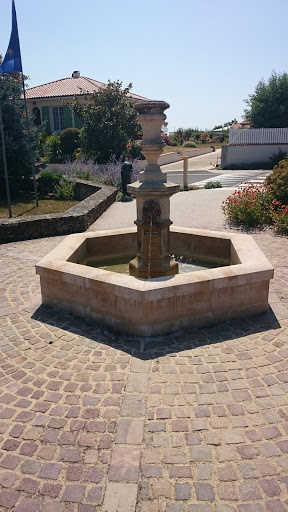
(213, 184)
(205, 137)
(64, 191)
(166, 139)
(134, 149)
(250, 206)
(47, 182)
(53, 148)
(69, 141)
(186, 188)
(89, 169)
(189, 144)
(279, 214)
(277, 157)
(278, 182)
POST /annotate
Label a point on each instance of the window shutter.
(67, 117)
(46, 118)
(78, 123)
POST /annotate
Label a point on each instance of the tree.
(109, 122)
(268, 105)
(15, 131)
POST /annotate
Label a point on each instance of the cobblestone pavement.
(94, 421)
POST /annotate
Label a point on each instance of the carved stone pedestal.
(152, 193)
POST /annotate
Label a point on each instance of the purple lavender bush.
(89, 170)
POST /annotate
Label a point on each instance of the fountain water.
(154, 298)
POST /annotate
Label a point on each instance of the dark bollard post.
(126, 175)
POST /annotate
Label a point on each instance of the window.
(36, 116)
(58, 119)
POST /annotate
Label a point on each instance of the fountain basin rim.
(253, 262)
(161, 305)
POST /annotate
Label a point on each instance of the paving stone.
(120, 497)
(271, 432)
(28, 485)
(152, 471)
(283, 445)
(30, 467)
(200, 454)
(199, 507)
(124, 464)
(227, 473)
(204, 471)
(248, 451)
(193, 439)
(175, 507)
(161, 489)
(227, 491)
(179, 426)
(69, 455)
(182, 491)
(8, 498)
(270, 487)
(156, 426)
(250, 507)
(180, 472)
(266, 467)
(133, 406)
(226, 453)
(93, 474)
(175, 456)
(73, 493)
(204, 492)
(249, 491)
(130, 431)
(137, 383)
(220, 507)
(29, 505)
(51, 506)
(275, 506)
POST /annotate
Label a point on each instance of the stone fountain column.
(152, 193)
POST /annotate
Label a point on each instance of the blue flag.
(12, 60)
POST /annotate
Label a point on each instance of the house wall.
(235, 155)
(45, 104)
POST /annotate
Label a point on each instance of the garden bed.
(94, 200)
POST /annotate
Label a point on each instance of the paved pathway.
(94, 421)
(202, 169)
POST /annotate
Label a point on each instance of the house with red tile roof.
(50, 102)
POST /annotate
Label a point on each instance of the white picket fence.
(258, 136)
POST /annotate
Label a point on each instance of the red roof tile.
(69, 87)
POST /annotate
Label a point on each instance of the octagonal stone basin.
(160, 305)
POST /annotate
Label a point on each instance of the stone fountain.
(153, 200)
(154, 298)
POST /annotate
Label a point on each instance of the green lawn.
(178, 149)
(28, 207)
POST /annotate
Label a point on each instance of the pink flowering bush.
(279, 215)
(255, 206)
(250, 206)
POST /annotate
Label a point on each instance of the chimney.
(76, 74)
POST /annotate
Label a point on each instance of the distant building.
(47, 102)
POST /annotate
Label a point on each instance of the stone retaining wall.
(95, 199)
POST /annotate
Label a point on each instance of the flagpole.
(29, 143)
(5, 164)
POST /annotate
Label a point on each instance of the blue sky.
(203, 57)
